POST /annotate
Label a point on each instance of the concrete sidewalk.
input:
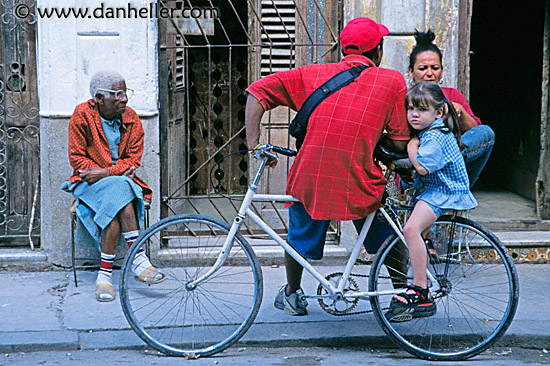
(45, 311)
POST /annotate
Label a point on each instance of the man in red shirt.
(333, 175)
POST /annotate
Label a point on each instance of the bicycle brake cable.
(217, 164)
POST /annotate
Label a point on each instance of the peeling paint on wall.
(402, 17)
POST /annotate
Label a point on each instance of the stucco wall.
(402, 17)
(70, 51)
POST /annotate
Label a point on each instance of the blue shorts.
(438, 211)
(307, 236)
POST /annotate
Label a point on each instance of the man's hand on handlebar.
(270, 152)
(272, 158)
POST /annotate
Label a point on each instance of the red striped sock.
(130, 237)
(105, 274)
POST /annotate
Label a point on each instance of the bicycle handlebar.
(283, 151)
(266, 148)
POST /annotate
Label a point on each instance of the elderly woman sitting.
(105, 149)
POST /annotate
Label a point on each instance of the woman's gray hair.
(104, 80)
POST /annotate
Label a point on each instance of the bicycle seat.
(387, 156)
(398, 162)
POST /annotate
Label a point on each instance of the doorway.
(19, 129)
(505, 89)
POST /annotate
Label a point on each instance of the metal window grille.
(205, 68)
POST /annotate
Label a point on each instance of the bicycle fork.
(235, 227)
(228, 244)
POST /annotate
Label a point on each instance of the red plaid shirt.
(88, 147)
(334, 175)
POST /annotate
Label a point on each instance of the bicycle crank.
(340, 306)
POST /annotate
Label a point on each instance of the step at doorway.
(502, 210)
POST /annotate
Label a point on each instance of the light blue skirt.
(99, 203)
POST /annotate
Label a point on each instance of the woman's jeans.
(479, 141)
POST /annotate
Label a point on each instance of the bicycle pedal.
(402, 318)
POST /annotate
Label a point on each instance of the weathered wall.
(70, 51)
(402, 17)
(543, 178)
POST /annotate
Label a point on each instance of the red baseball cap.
(362, 33)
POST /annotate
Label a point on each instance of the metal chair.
(91, 263)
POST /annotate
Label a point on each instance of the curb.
(56, 340)
(312, 334)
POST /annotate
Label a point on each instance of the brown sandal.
(105, 292)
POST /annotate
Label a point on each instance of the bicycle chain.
(348, 311)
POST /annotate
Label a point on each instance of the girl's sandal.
(419, 305)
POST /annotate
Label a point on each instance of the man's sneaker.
(419, 305)
(291, 304)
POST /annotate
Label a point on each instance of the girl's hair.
(429, 94)
(424, 42)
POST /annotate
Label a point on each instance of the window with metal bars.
(278, 35)
(180, 82)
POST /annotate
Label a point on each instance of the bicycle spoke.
(181, 316)
(476, 298)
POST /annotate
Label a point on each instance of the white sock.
(130, 237)
(105, 274)
(140, 263)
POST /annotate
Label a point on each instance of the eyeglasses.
(119, 94)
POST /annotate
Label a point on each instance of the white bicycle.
(214, 283)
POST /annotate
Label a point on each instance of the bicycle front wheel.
(476, 291)
(182, 320)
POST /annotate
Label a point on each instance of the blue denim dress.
(99, 203)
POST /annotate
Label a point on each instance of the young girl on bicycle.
(434, 151)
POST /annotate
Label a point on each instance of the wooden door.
(19, 126)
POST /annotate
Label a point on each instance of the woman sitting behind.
(425, 64)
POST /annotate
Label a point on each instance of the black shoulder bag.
(298, 126)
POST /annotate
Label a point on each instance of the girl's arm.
(412, 150)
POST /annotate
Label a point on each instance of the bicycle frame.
(335, 292)
(475, 301)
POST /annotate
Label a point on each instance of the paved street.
(47, 312)
(285, 356)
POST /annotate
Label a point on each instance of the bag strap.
(331, 86)
(298, 126)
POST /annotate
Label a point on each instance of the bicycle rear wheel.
(198, 321)
(476, 291)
